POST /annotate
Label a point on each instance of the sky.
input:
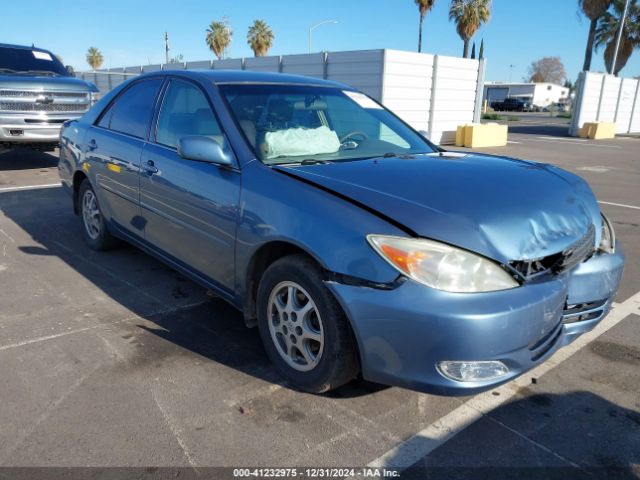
(130, 32)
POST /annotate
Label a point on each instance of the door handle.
(92, 145)
(150, 167)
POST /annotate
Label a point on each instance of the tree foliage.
(607, 31)
(219, 37)
(469, 15)
(94, 58)
(547, 69)
(260, 38)
(593, 10)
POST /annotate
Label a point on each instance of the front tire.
(94, 229)
(304, 331)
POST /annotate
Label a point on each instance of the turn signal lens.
(442, 266)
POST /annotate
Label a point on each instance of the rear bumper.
(32, 128)
(403, 333)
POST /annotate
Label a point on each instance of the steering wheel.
(354, 134)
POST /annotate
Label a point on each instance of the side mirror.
(203, 149)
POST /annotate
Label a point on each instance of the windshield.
(20, 61)
(292, 124)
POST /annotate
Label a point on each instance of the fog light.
(473, 371)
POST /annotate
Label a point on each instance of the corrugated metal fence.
(607, 98)
(433, 93)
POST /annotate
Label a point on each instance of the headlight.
(93, 98)
(442, 266)
(608, 240)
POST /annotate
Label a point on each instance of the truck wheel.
(304, 331)
(94, 228)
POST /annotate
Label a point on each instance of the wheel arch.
(261, 259)
(78, 177)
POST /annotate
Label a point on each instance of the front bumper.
(403, 333)
(28, 128)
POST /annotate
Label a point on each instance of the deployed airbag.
(295, 142)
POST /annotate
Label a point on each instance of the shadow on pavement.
(25, 159)
(546, 130)
(211, 328)
(578, 435)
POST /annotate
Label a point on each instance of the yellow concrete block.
(460, 135)
(597, 130)
(603, 130)
(485, 135)
(585, 129)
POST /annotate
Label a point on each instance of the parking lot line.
(620, 205)
(424, 442)
(30, 187)
(568, 141)
(154, 313)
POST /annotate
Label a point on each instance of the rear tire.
(94, 228)
(303, 328)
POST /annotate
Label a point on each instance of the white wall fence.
(606, 98)
(433, 93)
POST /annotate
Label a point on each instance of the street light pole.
(619, 37)
(313, 27)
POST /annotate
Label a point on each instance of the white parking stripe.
(620, 205)
(30, 187)
(568, 141)
(424, 442)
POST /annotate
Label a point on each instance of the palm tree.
(607, 31)
(94, 58)
(469, 15)
(218, 37)
(593, 9)
(423, 6)
(260, 38)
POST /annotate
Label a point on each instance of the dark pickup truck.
(37, 95)
(511, 105)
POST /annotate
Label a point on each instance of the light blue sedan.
(356, 245)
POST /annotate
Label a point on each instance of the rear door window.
(132, 111)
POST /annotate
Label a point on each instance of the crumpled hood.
(503, 208)
(18, 82)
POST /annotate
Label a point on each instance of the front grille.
(34, 94)
(579, 251)
(559, 262)
(41, 107)
(581, 312)
(43, 101)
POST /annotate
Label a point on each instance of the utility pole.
(510, 71)
(166, 47)
(618, 37)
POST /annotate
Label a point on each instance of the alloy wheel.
(91, 214)
(295, 326)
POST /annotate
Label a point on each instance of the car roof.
(23, 47)
(246, 76)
